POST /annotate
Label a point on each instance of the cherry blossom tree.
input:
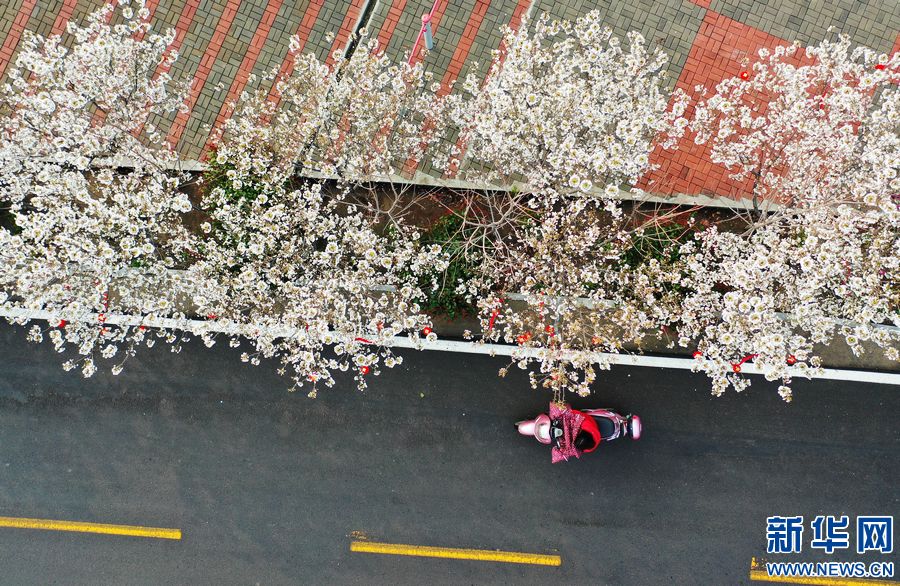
(298, 254)
(815, 134)
(352, 118)
(568, 115)
(310, 281)
(92, 222)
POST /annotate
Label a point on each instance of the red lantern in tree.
(791, 360)
(364, 370)
(62, 324)
(697, 354)
(745, 75)
(881, 67)
(549, 329)
(426, 330)
(736, 368)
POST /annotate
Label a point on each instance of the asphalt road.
(270, 487)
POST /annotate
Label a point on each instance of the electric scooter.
(612, 426)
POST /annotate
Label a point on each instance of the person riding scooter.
(572, 432)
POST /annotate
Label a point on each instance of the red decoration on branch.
(791, 360)
(737, 367)
(363, 340)
(881, 67)
(697, 354)
(211, 316)
(550, 330)
(522, 338)
(62, 324)
(494, 315)
(364, 370)
(745, 75)
(426, 330)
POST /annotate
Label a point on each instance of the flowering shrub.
(445, 299)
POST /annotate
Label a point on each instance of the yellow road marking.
(761, 575)
(484, 555)
(51, 525)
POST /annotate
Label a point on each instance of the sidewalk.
(224, 42)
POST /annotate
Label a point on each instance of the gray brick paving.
(873, 23)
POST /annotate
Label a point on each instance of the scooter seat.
(608, 427)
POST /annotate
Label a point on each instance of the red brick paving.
(390, 23)
(435, 22)
(720, 46)
(99, 115)
(303, 32)
(151, 6)
(460, 54)
(15, 33)
(465, 44)
(350, 19)
(185, 19)
(223, 25)
(515, 20)
(65, 14)
(246, 67)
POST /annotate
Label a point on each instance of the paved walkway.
(224, 41)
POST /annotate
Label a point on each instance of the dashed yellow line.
(483, 555)
(81, 527)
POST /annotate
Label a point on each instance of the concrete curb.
(454, 346)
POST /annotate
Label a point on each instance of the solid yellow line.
(483, 555)
(763, 576)
(51, 525)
